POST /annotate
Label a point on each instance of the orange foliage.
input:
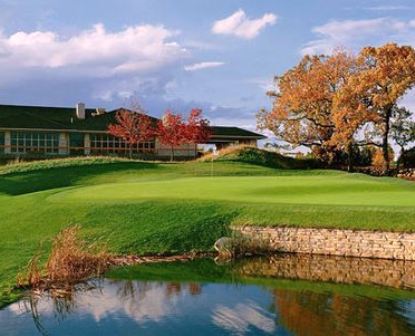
(302, 106)
(378, 162)
(324, 101)
(383, 75)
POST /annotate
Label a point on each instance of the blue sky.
(220, 55)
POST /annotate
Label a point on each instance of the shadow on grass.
(49, 178)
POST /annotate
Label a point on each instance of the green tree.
(403, 131)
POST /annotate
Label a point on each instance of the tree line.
(337, 105)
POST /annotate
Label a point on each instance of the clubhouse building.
(58, 131)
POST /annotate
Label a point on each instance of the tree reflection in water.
(315, 314)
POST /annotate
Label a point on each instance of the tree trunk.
(172, 154)
(401, 157)
(349, 158)
(385, 142)
(130, 150)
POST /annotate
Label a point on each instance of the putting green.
(326, 190)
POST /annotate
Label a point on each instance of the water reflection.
(251, 297)
(240, 318)
(384, 272)
(323, 314)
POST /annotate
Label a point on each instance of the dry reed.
(71, 260)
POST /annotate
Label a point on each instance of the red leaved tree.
(173, 131)
(132, 128)
(197, 128)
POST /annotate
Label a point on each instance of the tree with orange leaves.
(371, 94)
(303, 102)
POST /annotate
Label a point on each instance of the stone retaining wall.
(346, 243)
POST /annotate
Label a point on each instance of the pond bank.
(335, 242)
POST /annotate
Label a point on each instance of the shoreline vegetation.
(73, 260)
(153, 208)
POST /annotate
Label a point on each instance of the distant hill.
(253, 155)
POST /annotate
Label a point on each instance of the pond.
(277, 295)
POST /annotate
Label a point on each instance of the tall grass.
(71, 260)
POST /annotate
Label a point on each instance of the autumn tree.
(132, 127)
(371, 93)
(302, 105)
(197, 127)
(173, 131)
(350, 115)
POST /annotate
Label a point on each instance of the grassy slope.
(147, 207)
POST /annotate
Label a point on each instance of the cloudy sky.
(220, 55)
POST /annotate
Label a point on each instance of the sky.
(218, 55)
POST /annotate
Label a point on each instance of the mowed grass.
(141, 208)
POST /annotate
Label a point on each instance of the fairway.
(146, 208)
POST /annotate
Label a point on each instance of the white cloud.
(387, 8)
(239, 25)
(147, 302)
(409, 101)
(354, 34)
(203, 65)
(265, 84)
(240, 318)
(94, 52)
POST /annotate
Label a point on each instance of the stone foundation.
(345, 243)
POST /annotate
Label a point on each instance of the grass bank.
(138, 207)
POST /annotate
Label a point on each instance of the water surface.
(282, 295)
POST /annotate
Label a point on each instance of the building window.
(76, 143)
(34, 142)
(108, 144)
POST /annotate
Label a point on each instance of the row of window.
(103, 143)
(42, 142)
(34, 142)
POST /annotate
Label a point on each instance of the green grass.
(253, 155)
(139, 207)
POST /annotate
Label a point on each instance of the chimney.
(80, 110)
